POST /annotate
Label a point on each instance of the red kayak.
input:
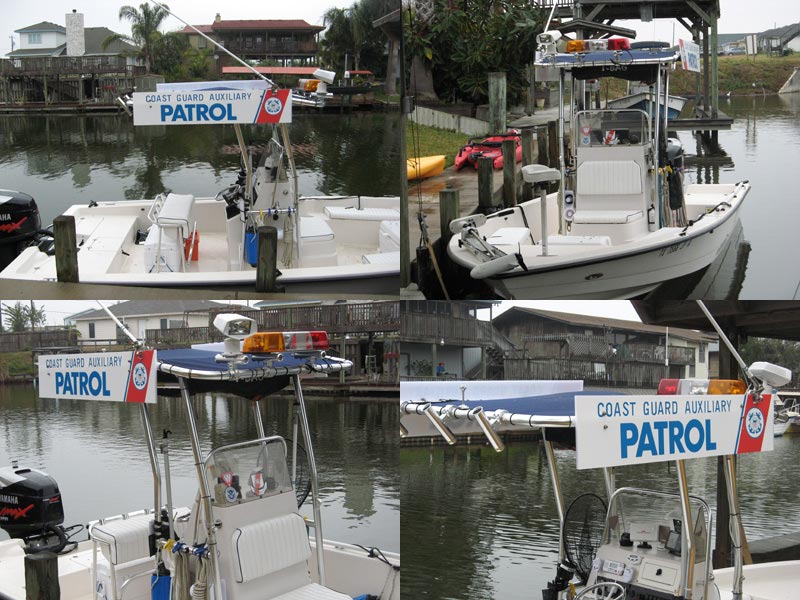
(489, 147)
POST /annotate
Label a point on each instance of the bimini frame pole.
(735, 525)
(562, 164)
(551, 462)
(151, 451)
(205, 492)
(298, 391)
(687, 558)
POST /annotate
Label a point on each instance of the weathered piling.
(552, 139)
(41, 576)
(449, 209)
(66, 248)
(527, 159)
(267, 265)
(486, 201)
(542, 145)
(509, 168)
(497, 102)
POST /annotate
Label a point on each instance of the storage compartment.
(169, 257)
(137, 589)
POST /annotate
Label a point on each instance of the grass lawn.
(432, 141)
(15, 363)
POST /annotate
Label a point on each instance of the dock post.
(509, 170)
(449, 209)
(541, 145)
(552, 140)
(486, 184)
(527, 159)
(267, 265)
(66, 248)
(41, 576)
(497, 102)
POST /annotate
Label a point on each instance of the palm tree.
(145, 22)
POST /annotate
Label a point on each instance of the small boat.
(643, 100)
(325, 243)
(244, 536)
(627, 542)
(622, 220)
(424, 167)
(488, 147)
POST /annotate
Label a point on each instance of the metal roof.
(137, 308)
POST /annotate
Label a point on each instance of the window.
(91, 330)
(164, 324)
(701, 353)
(691, 371)
(201, 42)
(34, 38)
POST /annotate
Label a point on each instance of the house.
(140, 315)
(730, 43)
(58, 64)
(780, 40)
(600, 350)
(289, 42)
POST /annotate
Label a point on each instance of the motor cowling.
(30, 502)
(20, 224)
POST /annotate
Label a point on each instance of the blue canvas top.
(203, 360)
(561, 404)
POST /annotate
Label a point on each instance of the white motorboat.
(243, 538)
(622, 220)
(642, 99)
(635, 543)
(325, 244)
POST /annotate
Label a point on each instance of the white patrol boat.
(622, 221)
(243, 538)
(633, 544)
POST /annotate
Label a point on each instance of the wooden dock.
(776, 548)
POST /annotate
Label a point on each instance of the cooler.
(171, 249)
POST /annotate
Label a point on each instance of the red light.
(320, 340)
(668, 387)
(619, 44)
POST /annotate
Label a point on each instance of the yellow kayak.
(424, 167)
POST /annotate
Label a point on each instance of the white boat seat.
(609, 178)
(578, 240)
(124, 540)
(382, 258)
(315, 229)
(362, 214)
(312, 591)
(174, 211)
(389, 236)
(268, 546)
(511, 236)
(596, 217)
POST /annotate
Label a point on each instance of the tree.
(36, 316)
(779, 352)
(16, 317)
(145, 22)
(466, 39)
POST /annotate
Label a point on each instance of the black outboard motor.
(19, 224)
(31, 509)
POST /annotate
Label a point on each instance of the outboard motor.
(19, 224)
(31, 509)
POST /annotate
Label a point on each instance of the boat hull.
(642, 101)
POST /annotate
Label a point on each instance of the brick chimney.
(217, 19)
(76, 42)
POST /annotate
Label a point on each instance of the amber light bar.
(282, 341)
(683, 387)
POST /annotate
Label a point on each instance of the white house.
(141, 315)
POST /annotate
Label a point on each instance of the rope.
(200, 587)
(180, 577)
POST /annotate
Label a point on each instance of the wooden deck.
(776, 548)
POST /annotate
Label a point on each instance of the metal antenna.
(119, 323)
(750, 378)
(217, 44)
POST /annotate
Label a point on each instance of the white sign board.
(212, 103)
(750, 42)
(109, 376)
(690, 55)
(628, 430)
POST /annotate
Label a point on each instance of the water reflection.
(487, 524)
(65, 160)
(96, 452)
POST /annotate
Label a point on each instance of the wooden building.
(600, 351)
(289, 42)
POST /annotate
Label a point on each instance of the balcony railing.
(418, 327)
(287, 47)
(63, 65)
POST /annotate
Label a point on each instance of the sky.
(738, 16)
(96, 13)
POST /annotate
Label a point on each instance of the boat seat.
(124, 540)
(173, 211)
(362, 214)
(607, 216)
(382, 258)
(315, 229)
(389, 236)
(511, 236)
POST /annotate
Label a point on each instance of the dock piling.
(66, 248)
(509, 171)
(497, 103)
(267, 265)
(527, 159)
(486, 184)
(41, 576)
(542, 145)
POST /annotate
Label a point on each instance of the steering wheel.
(605, 590)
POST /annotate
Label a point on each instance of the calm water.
(762, 146)
(96, 452)
(484, 525)
(65, 160)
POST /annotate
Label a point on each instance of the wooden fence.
(30, 340)
(418, 327)
(596, 373)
